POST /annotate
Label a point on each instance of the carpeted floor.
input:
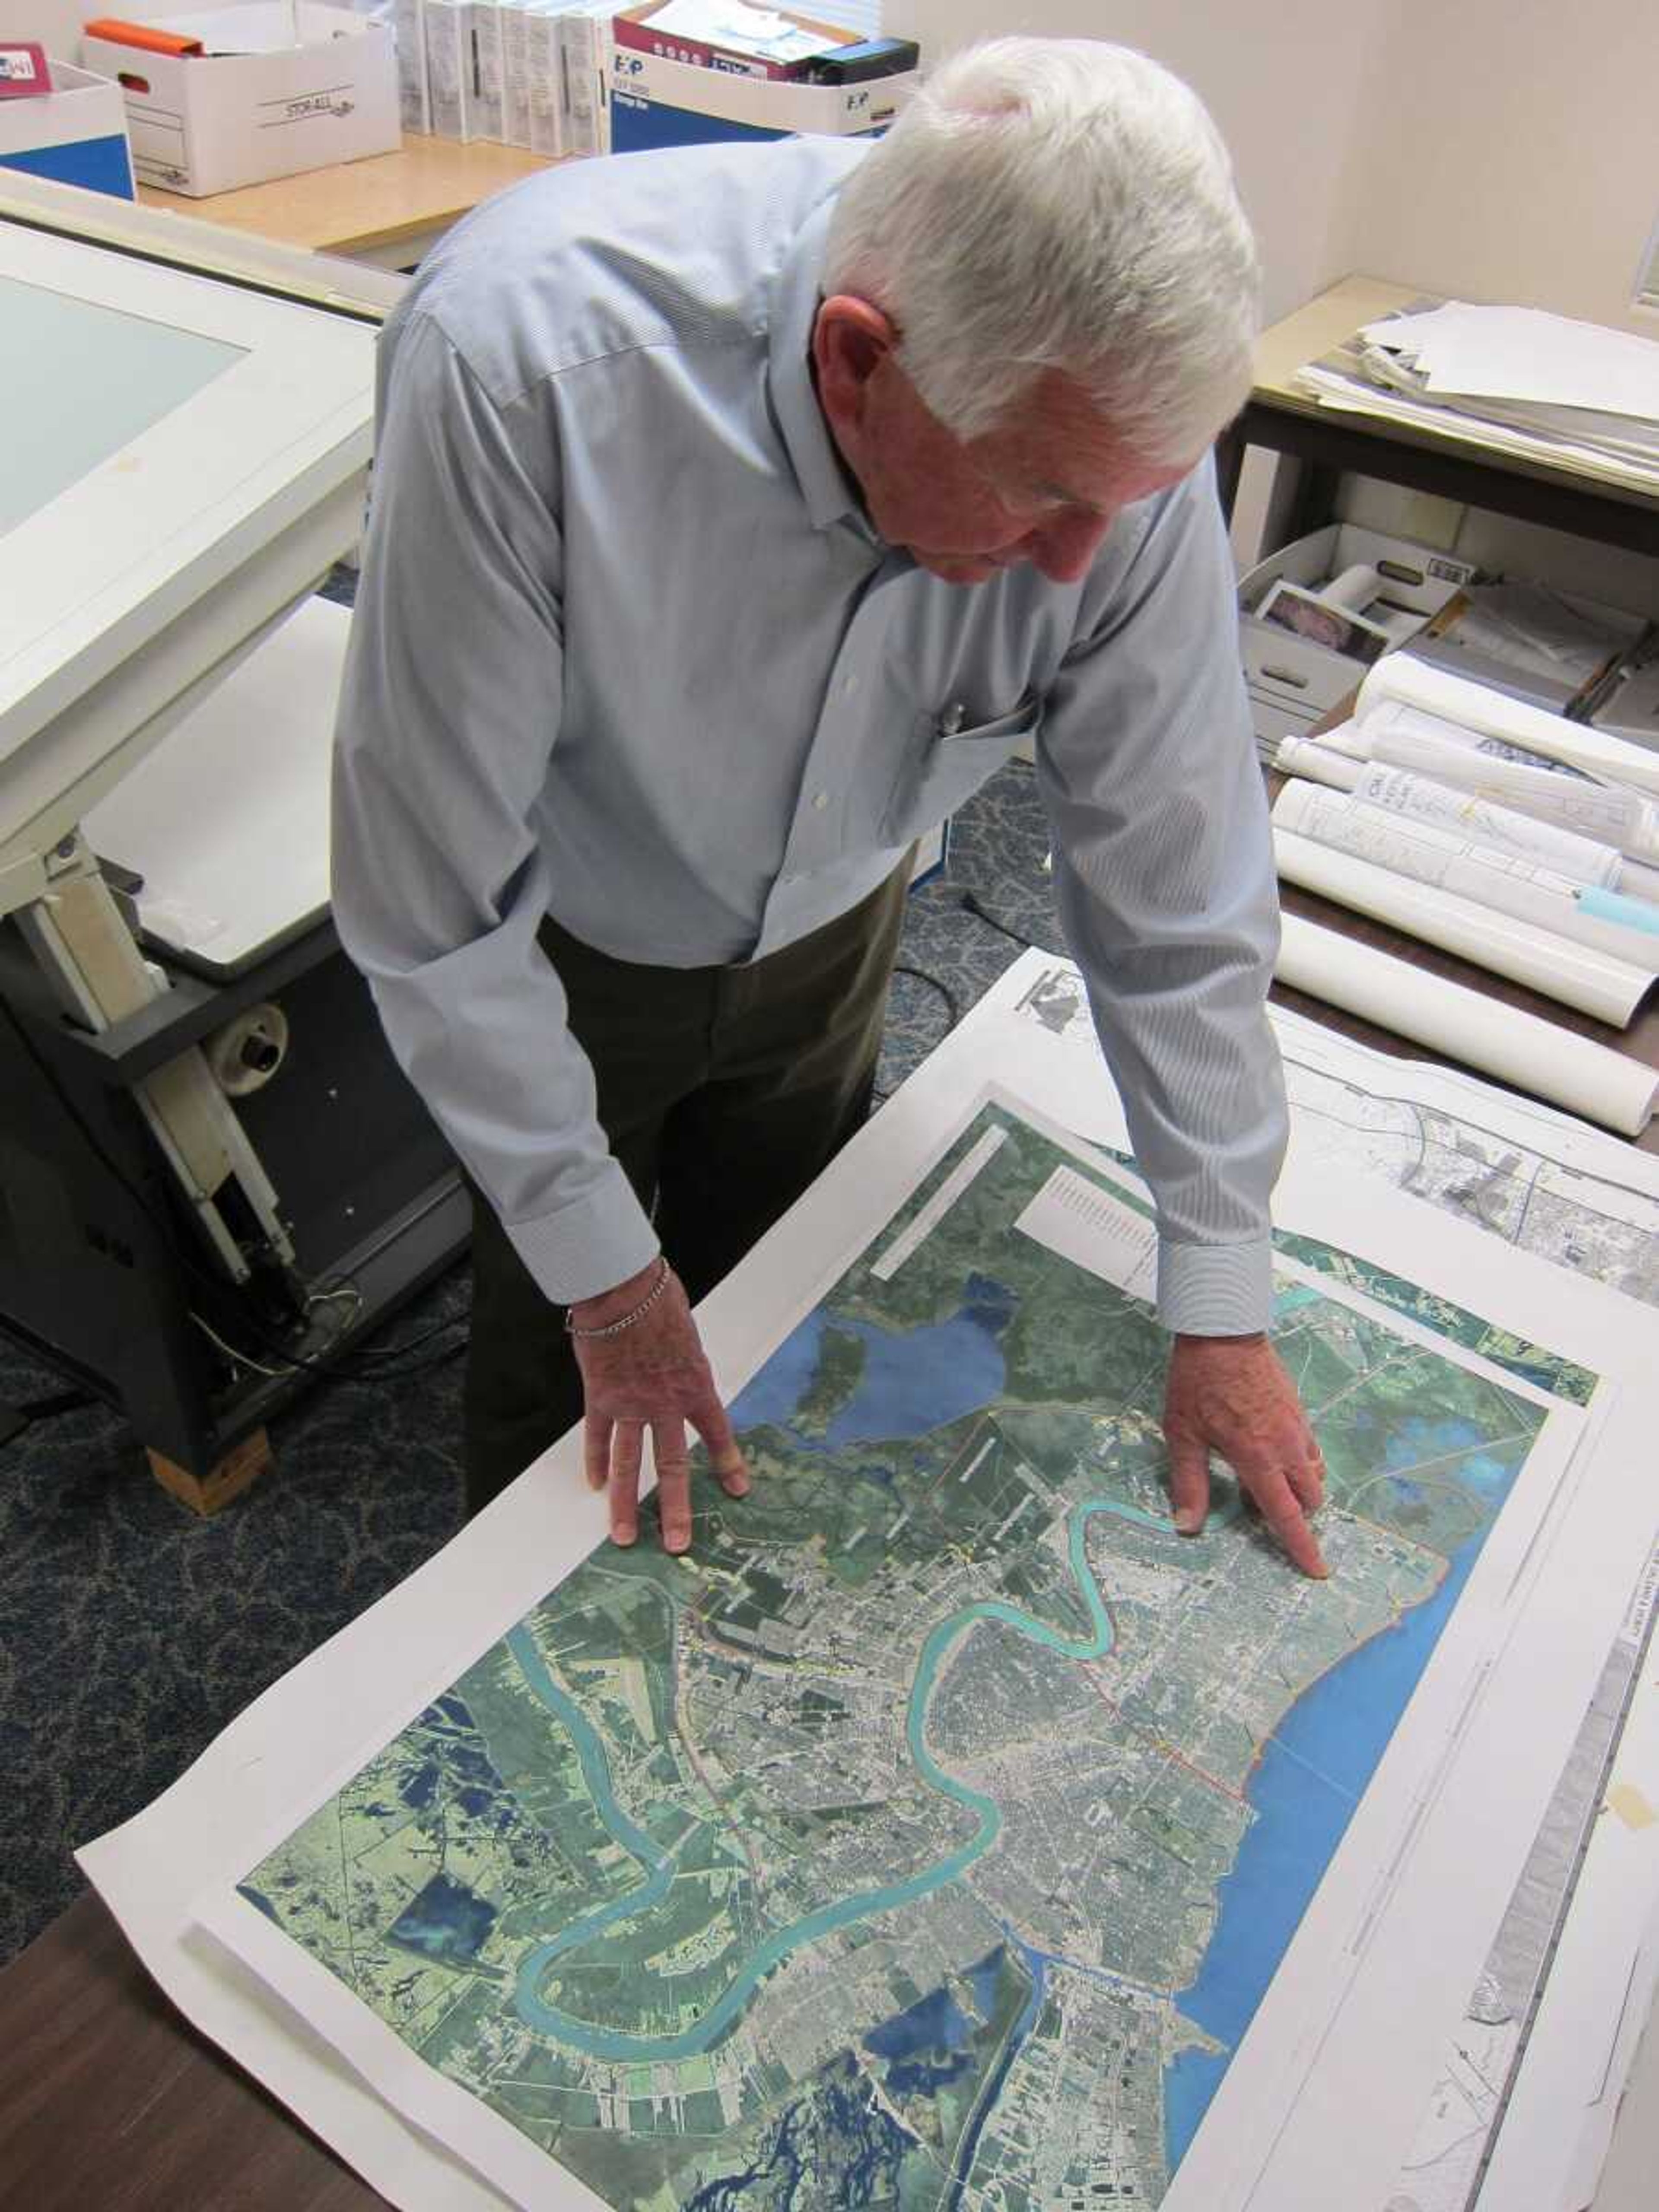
(131, 1632)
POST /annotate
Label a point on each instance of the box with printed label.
(797, 42)
(1292, 680)
(75, 134)
(269, 88)
(655, 102)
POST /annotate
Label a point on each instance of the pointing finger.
(1276, 1503)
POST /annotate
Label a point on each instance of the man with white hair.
(737, 511)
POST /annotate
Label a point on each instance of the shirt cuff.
(1215, 1289)
(590, 1246)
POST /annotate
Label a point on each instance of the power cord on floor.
(15, 1419)
(970, 904)
(288, 1361)
(921, 976)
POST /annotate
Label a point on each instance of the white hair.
(1065, 204)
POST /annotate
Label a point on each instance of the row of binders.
(528, 73)
(1483, 826)
(536, 73)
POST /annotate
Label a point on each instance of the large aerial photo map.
(929, 1836)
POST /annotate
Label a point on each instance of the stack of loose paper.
(739, 28)
(1514, 378)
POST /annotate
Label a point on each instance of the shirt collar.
(825, 486)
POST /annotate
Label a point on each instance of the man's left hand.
(1232, 1396)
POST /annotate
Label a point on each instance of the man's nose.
(1063, 550)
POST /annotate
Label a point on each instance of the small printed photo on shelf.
(1338, 629)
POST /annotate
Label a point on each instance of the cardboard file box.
(1291, 681)
(632, 27)
(655, 102)
(253, 105)
(75, 134)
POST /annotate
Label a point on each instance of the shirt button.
(820, 800)
(849, 687)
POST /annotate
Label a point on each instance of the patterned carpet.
(131, 1632)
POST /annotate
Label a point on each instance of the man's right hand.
(654, 1375)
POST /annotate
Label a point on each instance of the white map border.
(350, 1697)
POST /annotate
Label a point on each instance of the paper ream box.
(75, 134)
(655, 103)
(253, 105)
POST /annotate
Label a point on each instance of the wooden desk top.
(357, 206)
(110, 2101)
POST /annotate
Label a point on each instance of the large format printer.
(213, 1177)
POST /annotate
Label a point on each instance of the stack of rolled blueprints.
(1518, 840)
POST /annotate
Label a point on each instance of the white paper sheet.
(320, 1718)
(1577, 1917)
(1468, 760)
(1514, 1168)
(1525, 353)
(1384, 1938)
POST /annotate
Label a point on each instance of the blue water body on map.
(419, 1787)
(925, 2047)
(922, 1380)
(935, 2022)
(914, 1380)
(1305, 1790)
(446, 1920)
(985, 1978)
(770, 1399)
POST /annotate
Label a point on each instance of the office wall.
(55, 24)
(1508, 149)
(1283, 81)
(1503, 149)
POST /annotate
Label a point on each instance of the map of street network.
(929, 1837)
(1598, 1225)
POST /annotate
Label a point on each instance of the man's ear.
(851, 339)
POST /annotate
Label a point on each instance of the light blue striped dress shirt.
(627, 651)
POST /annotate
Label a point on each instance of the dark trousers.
(724, 1092)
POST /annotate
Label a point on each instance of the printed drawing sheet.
(1548, 1185)
(946, 1830)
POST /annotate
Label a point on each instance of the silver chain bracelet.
(616, 1328)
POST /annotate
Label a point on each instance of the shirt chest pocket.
(947, 760)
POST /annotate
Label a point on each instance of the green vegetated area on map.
(865, 1857)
